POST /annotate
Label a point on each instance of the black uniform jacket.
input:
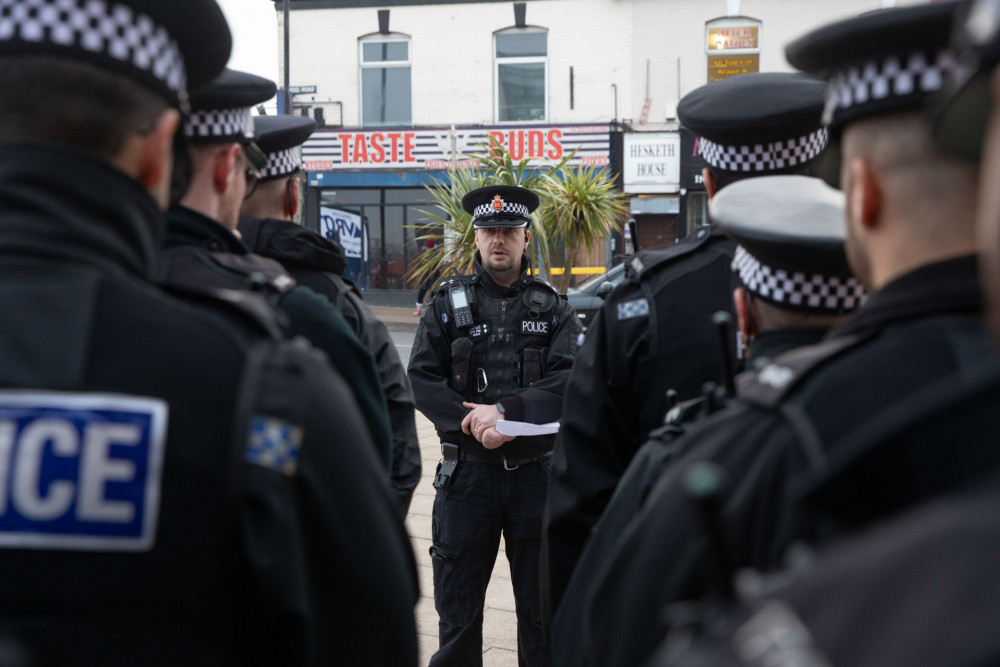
(170, 495)
(919, 590)
(653, 458)
(915, 582)
(198, 251)
(318, 263)
(654, 333)
(919, 329)
(518, 353)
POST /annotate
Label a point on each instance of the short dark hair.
(724, 178)
(54, 99)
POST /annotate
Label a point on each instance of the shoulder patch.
(635, 308)
(80, 471)
(274, 443)
(768, 386)
(644, 262)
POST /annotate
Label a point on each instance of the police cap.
(961, 110)
(790, 231)
(885, 61)
(220, 111)
(500, 206)
(757, 124)
(168, 47)
(281, 139)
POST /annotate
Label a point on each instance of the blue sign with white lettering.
(80, 471)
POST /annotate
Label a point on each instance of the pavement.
(400, 320)
(499, 618)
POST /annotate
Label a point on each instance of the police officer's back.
(156, 486)
(201, 250)
(266, 229)
(785, 225)
(654, 332)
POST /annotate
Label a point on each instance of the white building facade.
(404, 89)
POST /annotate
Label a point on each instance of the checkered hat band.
(508, 208)
(921, 73)
(220, 123)
(797, 290)
(114, 30)
(764, 158)
(282, 163)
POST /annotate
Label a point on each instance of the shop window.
(386, 97)
(521, 74)
(697, 210)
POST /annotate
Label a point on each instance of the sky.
(255, 37)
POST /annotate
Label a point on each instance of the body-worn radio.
(460, 306)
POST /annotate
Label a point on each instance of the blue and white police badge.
(274, 443)
(80, 471)
(635, 308)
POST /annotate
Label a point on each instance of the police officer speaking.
(495, 345)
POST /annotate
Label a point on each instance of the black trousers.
(481, 502)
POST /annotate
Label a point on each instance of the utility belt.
(451, 455)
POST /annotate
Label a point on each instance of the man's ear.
(154, 156)
(223, 167)
(293, 197)
(710, 189)
(744, 315)
(527, 237)
(865, 196)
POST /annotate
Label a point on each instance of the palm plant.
(578, 207)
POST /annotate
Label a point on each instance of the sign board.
(723, 67)
(732, 47)
(652, 162)
(299, 90)
(432, 148)
(347, 228)
(733, 38)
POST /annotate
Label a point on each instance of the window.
(385, 81)
(697, 210)
(521, 75)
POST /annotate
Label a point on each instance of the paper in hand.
(512, 428)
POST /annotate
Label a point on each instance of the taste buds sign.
(652, 162)
(441, 148)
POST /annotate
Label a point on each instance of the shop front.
(651, 173)
(369, 188)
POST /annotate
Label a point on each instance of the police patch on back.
(80, 471)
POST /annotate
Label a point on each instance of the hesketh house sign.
(431, 148)
(652, 162)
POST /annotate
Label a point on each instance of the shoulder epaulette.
(768, 386)
(254, 266)
(541, 282)
(247, 306)
(644, 263)
(452, 281)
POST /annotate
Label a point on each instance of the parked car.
(588, 297)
